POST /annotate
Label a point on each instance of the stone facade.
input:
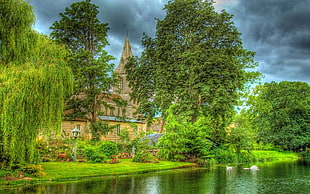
(113, 135)
(123, 89)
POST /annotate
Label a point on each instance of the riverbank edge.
(66, 172)
(59, 172)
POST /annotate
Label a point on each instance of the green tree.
(34, 82)
(196, 59)
(83, 33)
(240, 134)
(15, 31)
(280, 113)
(185, 141)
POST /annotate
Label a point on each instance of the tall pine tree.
(83, 33)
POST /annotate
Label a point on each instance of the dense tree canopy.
(196, 59)
(83, 33)
(34, 82)
(15, 31)
(280, 113)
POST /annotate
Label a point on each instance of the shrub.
(51, 149)
(144, 156)
(225, 156)
(34, 170)
(108, 148)
(114, 160)
(185, 141)
(93, 154)
(262, 146)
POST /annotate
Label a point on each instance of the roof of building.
(126, 53)
(119, 119)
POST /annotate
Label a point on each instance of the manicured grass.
(67, 171)
(73, 171)
(268, 155)
(78, 170)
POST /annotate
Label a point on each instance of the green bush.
(185, 141)
(50, 150)
(144, 156)
(262, 146)
(34, 170)
(93, 154)
(223, 156)
(108, 148)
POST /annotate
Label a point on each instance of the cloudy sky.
(277, 30)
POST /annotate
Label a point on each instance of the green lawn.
(66, 171)
(73, 170)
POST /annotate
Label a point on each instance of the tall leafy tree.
(196, 59)
(280, 113)
(34, 83)
(83, 33)
(15, 31)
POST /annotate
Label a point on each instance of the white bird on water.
(252, 168)
(229, 168)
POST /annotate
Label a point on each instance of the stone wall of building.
(114, 135)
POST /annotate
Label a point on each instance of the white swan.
(229, 168)
(252, 168)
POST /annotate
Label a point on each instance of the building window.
(121, 84)
(118, 129)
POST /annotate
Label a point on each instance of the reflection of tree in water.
(280, 177)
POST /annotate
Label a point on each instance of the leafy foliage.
(196, 59)
(144, 157)
(185, 141)
(15, 31)
(34, 82)
(108, 148)
(97, 151)
(83, 33)
(223, 155)
(34, 170)
(280, 112)
(100, 128)
(240, 135)
(93, 154)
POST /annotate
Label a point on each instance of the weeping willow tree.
(34, 82)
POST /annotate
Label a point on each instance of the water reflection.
(284, 177)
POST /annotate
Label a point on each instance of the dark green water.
(280, 177)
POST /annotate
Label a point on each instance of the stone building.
(124, 118)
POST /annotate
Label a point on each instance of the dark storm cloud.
(279, 32)
(131, 16)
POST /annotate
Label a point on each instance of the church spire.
(126, 53)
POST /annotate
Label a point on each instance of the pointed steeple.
(126, 53)
(123, 88)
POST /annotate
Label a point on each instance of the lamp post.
(75, 134)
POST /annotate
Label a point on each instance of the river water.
(278, 177)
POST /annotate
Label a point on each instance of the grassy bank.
(73, 170)
(67, 171)
(269, 155)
